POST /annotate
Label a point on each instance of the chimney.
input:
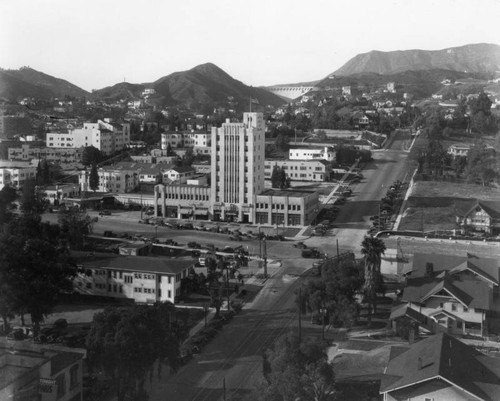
(419, 362)
(429, 269)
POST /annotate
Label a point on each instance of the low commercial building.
(56, 194)
(32, 372)
(300, 170)
(183, 201)
(144, 279)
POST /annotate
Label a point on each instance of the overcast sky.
(97, 43)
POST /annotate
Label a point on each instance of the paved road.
(353, 221)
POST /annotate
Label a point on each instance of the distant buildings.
(28, 152)
(106, 136)
(200, 141)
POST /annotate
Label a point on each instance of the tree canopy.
(125, 343)
(33, 269)
(372, 249)
(91, 155)
(296, 370)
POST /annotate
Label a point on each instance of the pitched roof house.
(479, 215)
(440, 368)
(449, 294)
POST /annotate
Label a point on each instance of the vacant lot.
(431, 205)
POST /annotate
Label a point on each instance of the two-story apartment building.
(28, 152)
(300, 170)
(144, 279)
(33, 372)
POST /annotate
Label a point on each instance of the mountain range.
(208, 86)
(473, 58)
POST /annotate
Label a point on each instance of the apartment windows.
(128, 279)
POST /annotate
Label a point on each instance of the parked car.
(194, 245)
(110, 234)
(105, 213)
(235, 238)
(300, 245)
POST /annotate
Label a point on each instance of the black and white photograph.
(249, 200)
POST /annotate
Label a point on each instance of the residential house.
(144, 279)
(462, 149)
(440, 368)
(478, 216)
(178, 174)
(449, 293)
(33, 372)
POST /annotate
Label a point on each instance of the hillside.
(27, 82)
(417, 83)
(205, 84)
(481, 57)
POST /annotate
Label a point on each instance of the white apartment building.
(238, 167)
(194, 139)
(179, 175)
(144, 279)
(325, 153)
(300, 170)
(105, 135)
(119, 179)
(15, 174)
(28, 152)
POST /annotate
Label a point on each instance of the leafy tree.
(372, 249)
(335, 291)
(275, 177)
(297, 370)
(75, 225)
(33, 199)
(282, 142)
(93, 178)
(91, 155)
(7, 197)
(458, 164)
(125, 343)
(170, 152)
(45, 173)
(33, 270)
(481, 164)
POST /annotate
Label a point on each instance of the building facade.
(119, 179)
(300, 170)
(15, 175)
(238, 167)
(28, 152)
(56, 194)
(324, 153)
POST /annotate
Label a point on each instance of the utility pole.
(227, 289)
(265, 258)
(300, 314)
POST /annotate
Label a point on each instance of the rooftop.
(291, 193)
(443, 357)
(132, 263)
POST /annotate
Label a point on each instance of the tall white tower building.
(238, 168)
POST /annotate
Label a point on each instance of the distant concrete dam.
(289, 92)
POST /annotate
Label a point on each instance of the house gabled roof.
(487, 268)
(466, 207)
(470, 292)
(443, 357)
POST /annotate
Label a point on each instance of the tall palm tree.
(372, 249)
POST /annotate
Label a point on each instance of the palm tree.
(372, 249)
